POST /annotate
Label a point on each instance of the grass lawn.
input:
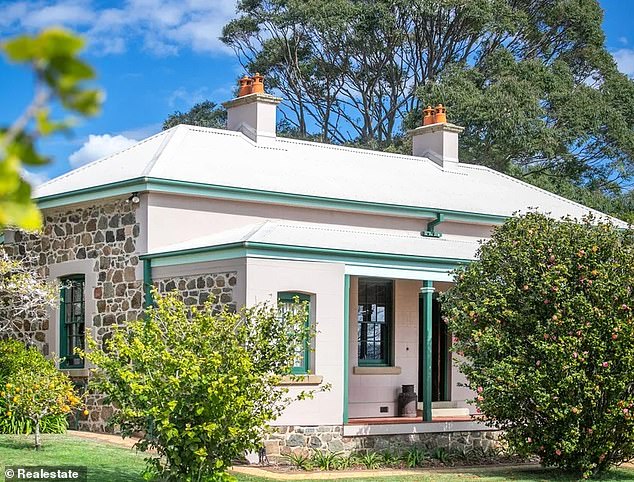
(109, 463)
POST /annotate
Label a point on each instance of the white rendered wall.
(266, 278)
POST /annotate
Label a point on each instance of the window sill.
(75, 372)
(302, 380)
(369, 370)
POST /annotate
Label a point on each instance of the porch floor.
(399, 420)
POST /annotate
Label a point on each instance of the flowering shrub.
(545, 321)
(33, 393)
(200, 386)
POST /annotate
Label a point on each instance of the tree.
(545, 321)
(200, 386)
(59, 75)
(33, 388)
(203, 114)
(531, 79)
(24, 292)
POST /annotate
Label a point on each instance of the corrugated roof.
(327, 236)
(227, 158)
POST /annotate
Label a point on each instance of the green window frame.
(286, 302)
(72, 333)
(375, 314)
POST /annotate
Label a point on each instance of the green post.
(346, 343)
(147, 282)
(427, 290)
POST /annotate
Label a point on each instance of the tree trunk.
(38, 444)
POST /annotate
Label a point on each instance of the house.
(367, 238)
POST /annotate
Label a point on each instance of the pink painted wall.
(367, 393)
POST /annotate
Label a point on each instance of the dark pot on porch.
(407, 402)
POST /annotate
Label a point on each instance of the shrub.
(34, 395)
(299, 461)
(371, 460)
(545, 321)
(325, 460)
(415, 457)
(201, 386)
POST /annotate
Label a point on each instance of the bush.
(34, 396)
(201, 386)
(545, 321)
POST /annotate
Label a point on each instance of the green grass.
(107, 463)
(110, 463)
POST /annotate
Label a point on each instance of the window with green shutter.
(72, 321)
(287, 302)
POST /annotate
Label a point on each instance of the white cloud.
(185, 98)
(98, 146)
(625, 60)
(161, 27)
(623, 40)
(34, 178)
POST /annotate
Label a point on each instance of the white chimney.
(253, 112)
(436, 138)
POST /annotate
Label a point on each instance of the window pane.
(287, 305)
(73, 325)
(374, 316)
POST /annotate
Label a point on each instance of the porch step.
(453, 404)
(449, 412)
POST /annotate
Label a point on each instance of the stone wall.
(196, 290)
(283, 441)
(106, 235)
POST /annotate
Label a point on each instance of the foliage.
(34, 395)
(545, 322)
(200, 385)
(203, 114)
(441, 455)
(532, 116)
(390, 459)
(324, 460)
(415, 457)
(60, 75)
(299, 461)
(371, 460)
(23, 293)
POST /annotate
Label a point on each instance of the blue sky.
(157, 56)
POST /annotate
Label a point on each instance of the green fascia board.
(279, 251)
(141, 184)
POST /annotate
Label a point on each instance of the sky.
(154, 57)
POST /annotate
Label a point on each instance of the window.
(287, 304)
(374, 320)
(72, 321)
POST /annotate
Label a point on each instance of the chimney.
(253, 112)
(436, 139)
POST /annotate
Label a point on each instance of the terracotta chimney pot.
(441, 115)
(245, 86)
(429, 116)
(257, 86)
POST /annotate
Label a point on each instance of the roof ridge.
(551, 194)
(168, 137)
(101, 159)
(371, 152)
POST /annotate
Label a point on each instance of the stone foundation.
(285, 440)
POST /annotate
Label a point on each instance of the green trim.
(258, 249)
(258, 195)
(387, 342)
(289, 297)
(346, 344)
(63, 342)
(428, 287)
(147, 283)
